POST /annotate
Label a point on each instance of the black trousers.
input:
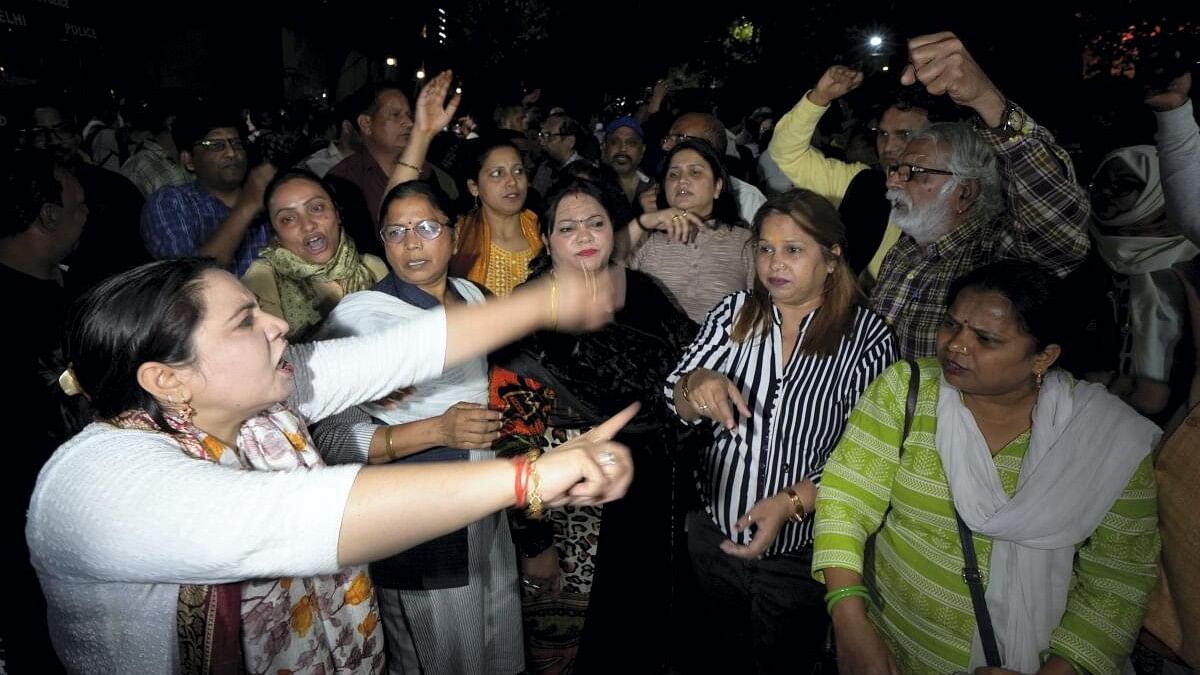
(754, 616)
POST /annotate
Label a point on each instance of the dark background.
(583, 55)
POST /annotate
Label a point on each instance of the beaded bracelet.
(409, 166)
(838, 594)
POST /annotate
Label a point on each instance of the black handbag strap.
(910, 405)
(971, 575)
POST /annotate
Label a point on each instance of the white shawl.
(1085, 446)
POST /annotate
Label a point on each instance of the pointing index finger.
(607, 429)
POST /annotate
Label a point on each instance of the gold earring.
(1038, 376)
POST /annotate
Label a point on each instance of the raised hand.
(943, 65)
(433, 112)
(835, 83)
(1175, 95)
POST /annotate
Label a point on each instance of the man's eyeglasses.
(218, 144)
(673, 140)
(60, 130)
(547, 135)
(425, 229)
(908, 171)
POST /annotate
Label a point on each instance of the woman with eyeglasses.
(499, 236)
(695, 243)
(311, 262)
(449, 605)
(595, 577)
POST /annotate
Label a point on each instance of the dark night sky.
(575, 51)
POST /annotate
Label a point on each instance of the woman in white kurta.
(140, 547)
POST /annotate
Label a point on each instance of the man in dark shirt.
(111, 243)
(384, 123)
(41, 219)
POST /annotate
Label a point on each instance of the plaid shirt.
(151, 170)
(1045, 222)
(178, 219)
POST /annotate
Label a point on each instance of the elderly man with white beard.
(967, 195)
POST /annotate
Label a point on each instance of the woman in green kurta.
(1053, 476)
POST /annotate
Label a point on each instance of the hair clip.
(68, 383)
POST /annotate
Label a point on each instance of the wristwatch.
(1014, 122)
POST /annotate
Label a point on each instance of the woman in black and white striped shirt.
(774, 372)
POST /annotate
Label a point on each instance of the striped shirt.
(800, 408)
(697, 275)
(178, 219)
(920, 604)
(1045, 221)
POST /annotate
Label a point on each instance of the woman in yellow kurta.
(500, 236)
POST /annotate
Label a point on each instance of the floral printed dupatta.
(316, 625)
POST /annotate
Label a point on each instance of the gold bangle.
(536, 509)
(553, 301)
(687, 393)
(409, 166)
(798, 505)
(387, 437)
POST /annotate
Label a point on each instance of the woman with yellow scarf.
(311, 263)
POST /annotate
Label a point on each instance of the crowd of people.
(418, 391)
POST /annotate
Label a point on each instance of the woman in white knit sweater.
(193, 527)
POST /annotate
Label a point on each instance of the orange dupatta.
(470, 260)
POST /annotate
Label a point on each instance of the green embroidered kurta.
(920, 604)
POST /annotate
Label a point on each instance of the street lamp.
(390, 61)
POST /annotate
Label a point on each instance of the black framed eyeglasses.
(425, 229)
(908, 171)
(218, 144)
